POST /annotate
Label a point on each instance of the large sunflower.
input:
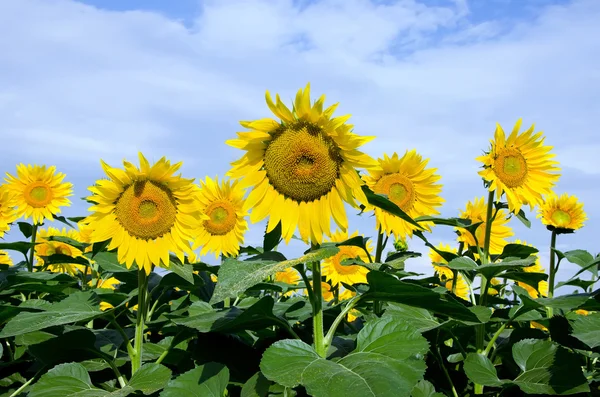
(7, 212)
(520, 166)
(564, 212)
(146, 212)
(476, 211)
(5, 258)
(47, 247)
(337, 273)
(410, 186)
(301, 167)
(223, 230)
(39, 191)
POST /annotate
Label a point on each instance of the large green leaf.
(418, 318)
(581, 258)
(385, 287)
(480, 370)
(107, 261)
(150, 378)
(462, 263)
(256, 386)
(425, 389)
(548, 368)
(493, 269)
(235, 276)
(80, 306)
(382, 202)
(208, 380)
(66, 380)
(517, 251)
(388, 361)
(587, 329)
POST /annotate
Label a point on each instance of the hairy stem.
(136, 360)
(32, 249)
(317, 303)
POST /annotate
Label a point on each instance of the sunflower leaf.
(380, 201)
(71, 379)
(207, 380)
(456, 222)
(26, 229)
(21, 246)
(272, 238)
(235, 276)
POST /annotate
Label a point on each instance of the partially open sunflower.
(476, 211)
(5, 259)
(47, 247)
(39, 191)
(520, 166)
(301, 167)
(7, 211)
(408, 184)
(146, 212)
(562, 213)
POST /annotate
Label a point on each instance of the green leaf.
(493, 269)
(382, 202)
(584, 259)
(417, 318)
(480, 370)
(62, 219)
(235, 276)
(107, 261)
(576, 282)
(456, 222)
(272, 238)
(150, 378)
(186, 272)
(256, 386)
(390, 338)
(60, 259)
(548, 368)
(386, 287)
(532, 279)
(74, 243)
(462, 263)
(26, 229)
(564, 302)
(425, 389)
(20, 246)
(587, 329)
(66, 380)
(517, 251)
(208, 380)
(79, 306)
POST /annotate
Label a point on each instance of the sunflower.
(146, 212)
(337, 273)
(107, 283)
(39, 191)
(47, 247)
(408, 184)
(542, 288)
(444, 272)
(462, 289)
(326, 291)
(288, 276)
(301, 167)
(520, 166)
(476, 212)
(5, 258)
(7, 212)
(564, 212)
(223, 230)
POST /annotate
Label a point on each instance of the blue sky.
(80, 81)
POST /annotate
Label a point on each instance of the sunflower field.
(124, 301)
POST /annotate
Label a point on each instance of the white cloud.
(79, 83)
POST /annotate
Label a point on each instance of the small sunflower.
(476, 211)
(5, 258)
(410, 185)
(542, 288)
(564, 212)
(301, 167)
(444, 272)
(520, 166)
(47, 247)
(326, 291)
(337, 273)
(146, 212)
(462, 289)
(39, 191)
(7, 211)
(288, 276)
(223, 230)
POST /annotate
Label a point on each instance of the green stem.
(309, 291)
(32, 249)
(113, 321)
(377, 304)
(317, 302)
(112, 365)
(441, 362)
(136, 360)
(553, 269)
(490, 345)
(24, 385)
(331, 333)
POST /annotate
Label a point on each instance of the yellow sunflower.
(288, 276)
(223, 230)
(408, 184)
(5, 258)
(462, 289)
(46, 247)
(337, 273)
(476, 211)
(146, 212)
(520, 166)
(107, 283)
(39, 191)
(326, 291)
(444, 272)
(564, 212)
(7, 211)
(301, 167)
(542, 288)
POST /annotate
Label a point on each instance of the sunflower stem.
(136, 360)
(32, 249)
(318, 334)
(553, 269)
(377, 304)
(331, 333)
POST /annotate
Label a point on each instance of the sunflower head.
(563, 214)
(476, 212)
(443, 272)
(7, 211)
(222, 230)
(461, 289)
(410, 185)
(301, 167)
(47, 247)
(520, 166)
(336, 272)
(288, 276)
(39, 191)
(146, 212)
(5, 258)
